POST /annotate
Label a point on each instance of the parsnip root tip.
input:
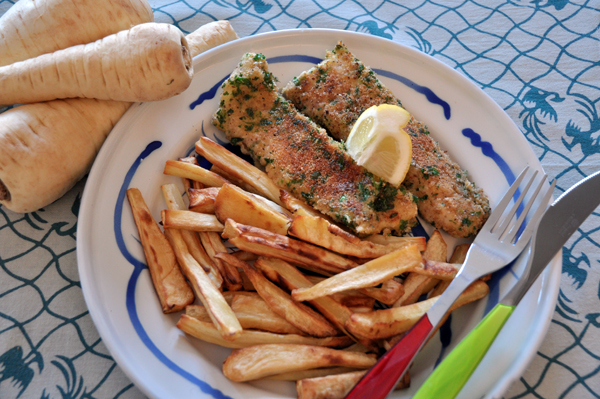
(187, 56)
(4, 193)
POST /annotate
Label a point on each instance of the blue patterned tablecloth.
(539, 60)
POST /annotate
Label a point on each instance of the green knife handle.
(451, 375)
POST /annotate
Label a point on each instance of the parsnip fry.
(213, 245)
(237, 167)
(366, 275)
(336, 386)
(245, 256)
(173, 291)
(320, 232)
(361, 309)
(389, 322)
(439, 270)
(188, 220)
(312, 373)
(234, 203)
(265, 243)
(187, 184)
(292, 278)
(220, 313)
(246, 283)
(238, 182)
(415, 284)
(207, 332)
(199, 312)
(389, 292)
(199, 253)
(436, 249)
(353, 299)
(174, 201)
(460, 253)
(254, 313)
(298, 207)
(299, 315)
(264, 360)
(458, 257)
(193, 172)
(328, 387)
(394, 240)
(203, 200)
(440, 288)
(191, 159)
(228, 295)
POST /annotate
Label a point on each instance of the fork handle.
(384, 375)
(452, 374)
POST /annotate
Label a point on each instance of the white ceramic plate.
(161, 360)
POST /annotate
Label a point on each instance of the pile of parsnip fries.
(301, 299)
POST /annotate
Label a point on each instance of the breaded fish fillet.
(300, 157)
(335, 92)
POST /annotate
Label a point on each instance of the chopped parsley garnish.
(308, 197)
(363, 192)
(429, 171)
(269, 80)
(386, 198)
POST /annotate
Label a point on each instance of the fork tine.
(505, 200)
(507, 219)
(499, 210)
(510, 235)
(532, 224)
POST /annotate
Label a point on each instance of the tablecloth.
(538, 59)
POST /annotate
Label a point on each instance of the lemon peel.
(379, 143)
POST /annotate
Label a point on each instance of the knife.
(558, 223)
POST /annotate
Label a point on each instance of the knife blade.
(562, 218)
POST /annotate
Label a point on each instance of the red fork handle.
(384, 375)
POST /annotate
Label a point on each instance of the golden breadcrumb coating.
(337, 91)
(300, 157)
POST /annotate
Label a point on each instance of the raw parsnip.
(148, 62)
(33, 27)
(46, 148)
(209, 36)
(33, 177)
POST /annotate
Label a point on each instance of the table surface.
(539, 60)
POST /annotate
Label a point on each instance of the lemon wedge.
(379, 143)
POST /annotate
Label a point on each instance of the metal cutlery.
(558, 223)
(498, 243)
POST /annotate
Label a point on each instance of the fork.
(498, 243)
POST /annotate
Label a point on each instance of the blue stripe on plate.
(138, 267)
